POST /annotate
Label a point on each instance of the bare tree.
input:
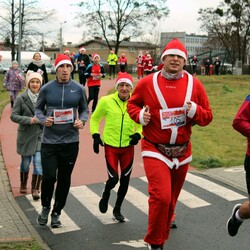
(31, 15)
(119, 20)
(228, 26)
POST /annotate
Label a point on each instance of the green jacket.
(118, 124)
(112, 59)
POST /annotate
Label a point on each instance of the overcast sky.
(183, 17)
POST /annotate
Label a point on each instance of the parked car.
(4, 68)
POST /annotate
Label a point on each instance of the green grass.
(22, 245)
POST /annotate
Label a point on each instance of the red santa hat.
(124, 77)
(95, 55)
(62, 59)
(66, 51)
(175, 47)
(82, 49)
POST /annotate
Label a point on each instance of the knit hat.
(124, 77)
(14, 62)
(62, 59)
(31, 75)
(95, 55)
(175, 47)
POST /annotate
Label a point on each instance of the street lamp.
(61, 42)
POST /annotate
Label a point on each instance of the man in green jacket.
(120, 134)
(112, 60)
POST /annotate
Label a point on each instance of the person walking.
(120, 134)
(112, 60)
(13, 81)
(94, 73)
(29, 134)
(148, 64)
(194, 64)
(167, 104)
(140, 63)
(65, 103)
(37, 65)
(82, 61)
(241, 212)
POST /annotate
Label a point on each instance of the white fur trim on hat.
(174, 52)
(126, 80)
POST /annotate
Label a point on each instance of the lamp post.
(61, 40)
(20, 35)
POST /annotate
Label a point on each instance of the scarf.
(170, 76)
(32, 96)
(38, 63)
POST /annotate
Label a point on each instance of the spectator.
(241, 212)
(217, 64)
(120, 134)
(194, 64)
(167, 104)
(94, 73)
(112, 60)
(29, 134)
(65, 103)
(13, 81)
(37, 65)
(207, 67)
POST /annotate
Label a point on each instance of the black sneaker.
(155, 247)
(103, 203)
(117, 216)
(42, 218)
(173, 223)
(55, 220)
(233, 224)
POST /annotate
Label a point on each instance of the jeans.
(26, 160)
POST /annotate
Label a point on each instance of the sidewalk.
(14, 226)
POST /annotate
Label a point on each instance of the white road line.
(90, 200)
(137, 198)
(212, 187)
(67, 224)
(187, 198)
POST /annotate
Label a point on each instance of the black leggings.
(93, 95)
(247, 169)
(58, 161)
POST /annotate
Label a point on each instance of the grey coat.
(28, 136)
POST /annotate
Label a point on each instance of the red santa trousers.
(164, 186)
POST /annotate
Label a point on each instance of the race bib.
(63, 116)
(172, 118)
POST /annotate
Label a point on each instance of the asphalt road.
(202, 211)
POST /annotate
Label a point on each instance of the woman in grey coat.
(29, 134)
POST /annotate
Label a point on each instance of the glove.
(97, 142)
(134, 138)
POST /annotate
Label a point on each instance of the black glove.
(97, 142)
(134, 138)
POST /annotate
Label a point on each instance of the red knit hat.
(95, 55)
(62, 59)
(124, 77)
(175, 47)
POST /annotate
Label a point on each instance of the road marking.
(132, 243)
(90, 200)
(187, 198)
(212, 187)
(67, 224)
(137, 198)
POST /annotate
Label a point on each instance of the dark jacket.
(35, 68)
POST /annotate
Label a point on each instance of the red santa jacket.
(158, 93)
(148, 64)
(241, 122)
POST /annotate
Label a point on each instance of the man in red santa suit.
(140, 62)
(167, 104)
